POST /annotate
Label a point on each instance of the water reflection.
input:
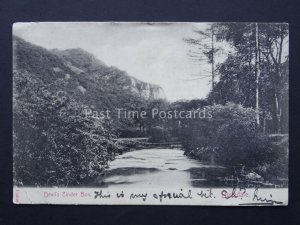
(161, 168)
(209, 177)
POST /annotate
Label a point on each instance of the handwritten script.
(238, 196)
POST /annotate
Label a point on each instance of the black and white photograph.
(151, 113)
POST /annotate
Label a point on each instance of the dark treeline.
(249, 95)
(255, 71)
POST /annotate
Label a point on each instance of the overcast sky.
(153, 53)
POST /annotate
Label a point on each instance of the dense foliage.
(249, 97)
(55, 143)
(255, 47)
(231, 138)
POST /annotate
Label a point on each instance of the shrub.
(158, 134)
(54, 143)
(234, 140)
(239, 145)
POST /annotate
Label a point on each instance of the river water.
(161, 168)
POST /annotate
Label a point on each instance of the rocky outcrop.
(146, 90)
(80, 61)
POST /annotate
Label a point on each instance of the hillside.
(83, 74)
(51, 135)
(80, 61)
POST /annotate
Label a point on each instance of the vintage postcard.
(149, 113)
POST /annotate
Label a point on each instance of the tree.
(256, 72)
(205, 50)
(274, 40)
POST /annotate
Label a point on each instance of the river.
(161, 168)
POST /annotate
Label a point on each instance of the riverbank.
(132, 144)
(271, 172)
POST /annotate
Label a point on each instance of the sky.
(151, 52)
